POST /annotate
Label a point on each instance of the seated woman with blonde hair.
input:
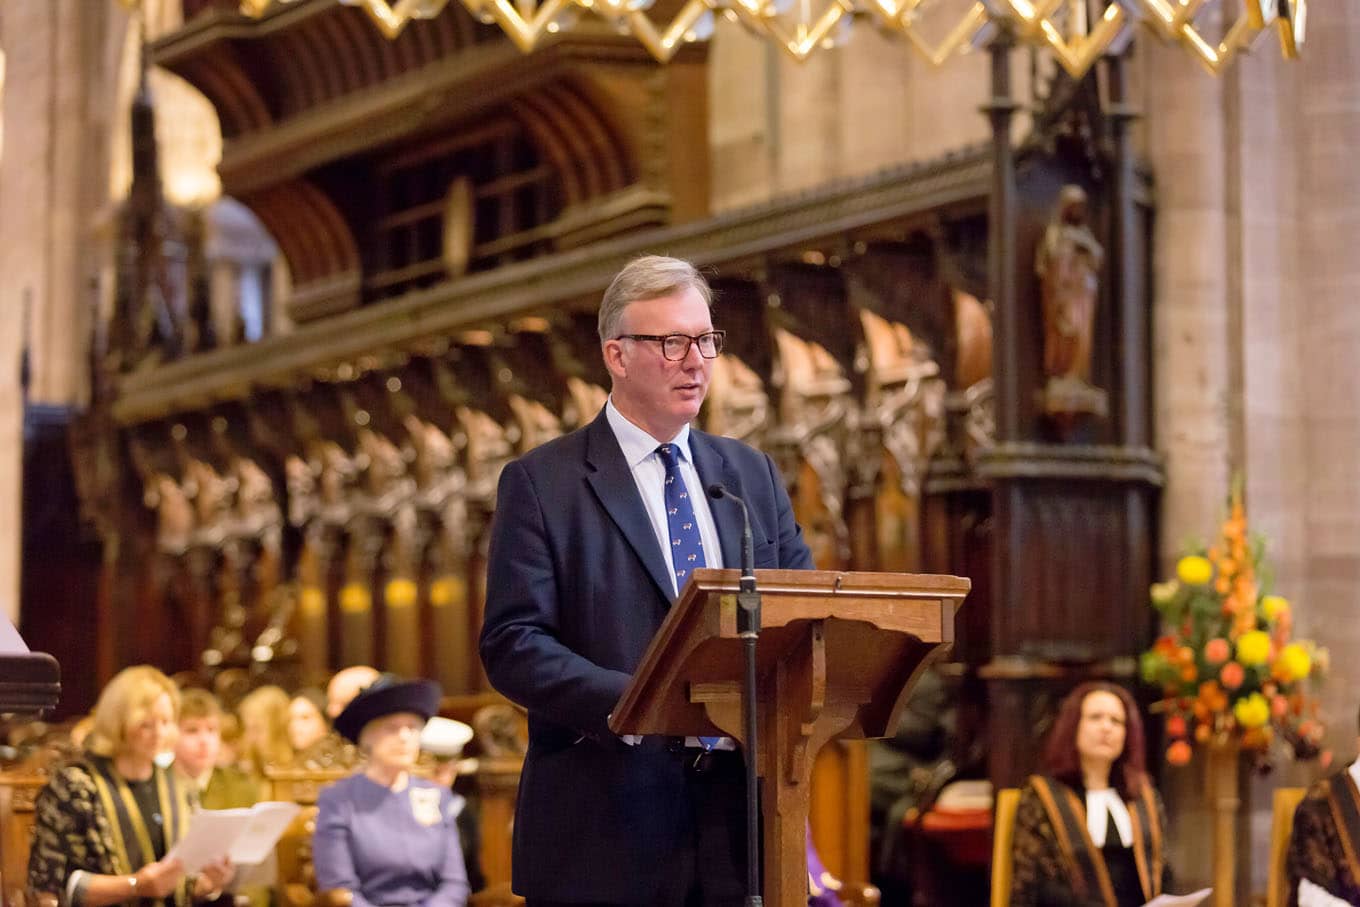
(383, 834)
(105, 820)
(1091, 829)
(264, 730)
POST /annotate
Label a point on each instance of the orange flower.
(1232, 675)
(1325, 759)
(1216, 651)
(1279, 706)
(1189, 673)
(1202, 733)
(1175, 726)
(1178, 753)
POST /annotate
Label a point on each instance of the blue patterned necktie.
(687, 547)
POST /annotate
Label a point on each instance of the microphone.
(748, 612)
(748, 629)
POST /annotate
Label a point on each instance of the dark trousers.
(710, 870)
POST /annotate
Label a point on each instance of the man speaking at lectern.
(594, 535)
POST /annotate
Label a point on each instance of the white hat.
(444, 737)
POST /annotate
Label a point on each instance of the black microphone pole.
(748, 629)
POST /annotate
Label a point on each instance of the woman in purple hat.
(383, 834)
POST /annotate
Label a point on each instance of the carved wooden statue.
(1068, 264)
(814, 404)
(737, 405)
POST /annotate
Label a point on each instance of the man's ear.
(613, 358)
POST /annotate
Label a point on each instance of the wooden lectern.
(838, 654)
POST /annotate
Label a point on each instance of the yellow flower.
(1295, 662)
(1194, 570)
(1253, 648)
(1251, 711)
(1165, 593)
(400, 593)
(1272, 606)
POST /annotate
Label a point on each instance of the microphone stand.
(748, 630)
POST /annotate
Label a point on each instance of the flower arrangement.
(1227, 664)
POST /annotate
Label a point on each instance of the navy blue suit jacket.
(577, 586)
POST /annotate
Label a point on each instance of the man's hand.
(213, 877)
(158, 879)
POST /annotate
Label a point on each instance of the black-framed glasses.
(675, 347)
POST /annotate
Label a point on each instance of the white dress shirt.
(649, 473)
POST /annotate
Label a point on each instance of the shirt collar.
(1355, 772)
(1101, 806)
(635, 443)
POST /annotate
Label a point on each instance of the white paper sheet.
(245, 835)
(1180, 900)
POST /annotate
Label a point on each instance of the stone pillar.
(51, 178)
(1265, 420)
(1322, 306)
(23, 181)
(1255, 339)
(1185, 134)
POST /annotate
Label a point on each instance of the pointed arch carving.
(576, 134)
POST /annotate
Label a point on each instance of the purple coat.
(391, 848)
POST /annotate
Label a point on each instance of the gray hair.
(648, 277)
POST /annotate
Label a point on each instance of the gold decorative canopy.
(1213, 31)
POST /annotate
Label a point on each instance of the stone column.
(23, 184)
(1322, 305)
(1265, 422)
(51, 176)
(1184, 135)
(1185, 132)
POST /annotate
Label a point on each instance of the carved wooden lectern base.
(837, 656)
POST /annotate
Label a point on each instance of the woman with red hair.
(1090, 829)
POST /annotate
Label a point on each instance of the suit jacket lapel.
(612, 482)
(713, 467)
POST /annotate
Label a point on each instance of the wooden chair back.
(18, 792)
(1281, 827)
(1003, 844)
